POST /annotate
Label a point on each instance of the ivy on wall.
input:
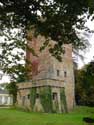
(46, 98)
(63, 100)
(32, 97)
(55, 106)
(45, 95)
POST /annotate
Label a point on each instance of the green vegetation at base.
(63, 100)
(16, 117)
(32, 97)
(46, 98)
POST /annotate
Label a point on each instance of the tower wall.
(48, 70)
(49, 79)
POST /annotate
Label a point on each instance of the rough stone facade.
(48, 71)
(23, 95)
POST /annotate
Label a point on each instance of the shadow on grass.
(88, 120)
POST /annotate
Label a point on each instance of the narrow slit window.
(54, 96)
(28, 96)
(58, 73)
(37, 95)
(65, 74)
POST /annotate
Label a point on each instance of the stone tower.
(47, 71)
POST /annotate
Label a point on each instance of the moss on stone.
(63, 100)
(46, 98)
(32, 97)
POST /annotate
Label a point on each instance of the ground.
(19, 117)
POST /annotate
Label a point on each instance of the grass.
(17, 117)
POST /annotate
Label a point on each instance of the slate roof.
(3, 91)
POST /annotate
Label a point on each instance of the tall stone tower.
(52, 81)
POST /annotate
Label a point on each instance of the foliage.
(56, 20)
(45, 95)
(12, 88)
(32, 97)
(12, 55)
(53, 19)
(85, 85)
(63, 100)
(46, 98)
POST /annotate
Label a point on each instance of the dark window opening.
(28, 96)
(65, 74)
(37, 95)
(58, 72)
(54, 96)
(64, 50)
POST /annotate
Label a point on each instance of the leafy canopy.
(51, 18)
(12, 89)
(85, 85)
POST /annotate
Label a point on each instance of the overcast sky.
(89, 53)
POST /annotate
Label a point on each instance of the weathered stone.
(48, 71)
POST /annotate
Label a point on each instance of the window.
(28, 96)
(37, 95)
(0, 100)
(54, 96)
(64, 50)
(65, 74)
(58, 72)
(5, 100)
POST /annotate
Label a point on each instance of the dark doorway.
(23, 100)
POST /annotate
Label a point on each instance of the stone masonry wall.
(47, 68)
(23, 94)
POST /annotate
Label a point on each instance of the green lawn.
(16, 117)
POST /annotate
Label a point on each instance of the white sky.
(89, 54)
(5, 79)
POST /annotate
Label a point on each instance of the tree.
(54, 19)
(12, 88)
(85, 85)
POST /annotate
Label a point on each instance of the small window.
(28, 96)
(54, 96)
(37, 95)
(64, 50)
(58, 73)
(65, 74)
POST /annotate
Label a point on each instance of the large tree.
(54, 19)
(12, 89)
(85, 85)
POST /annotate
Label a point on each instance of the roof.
(2, 91)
